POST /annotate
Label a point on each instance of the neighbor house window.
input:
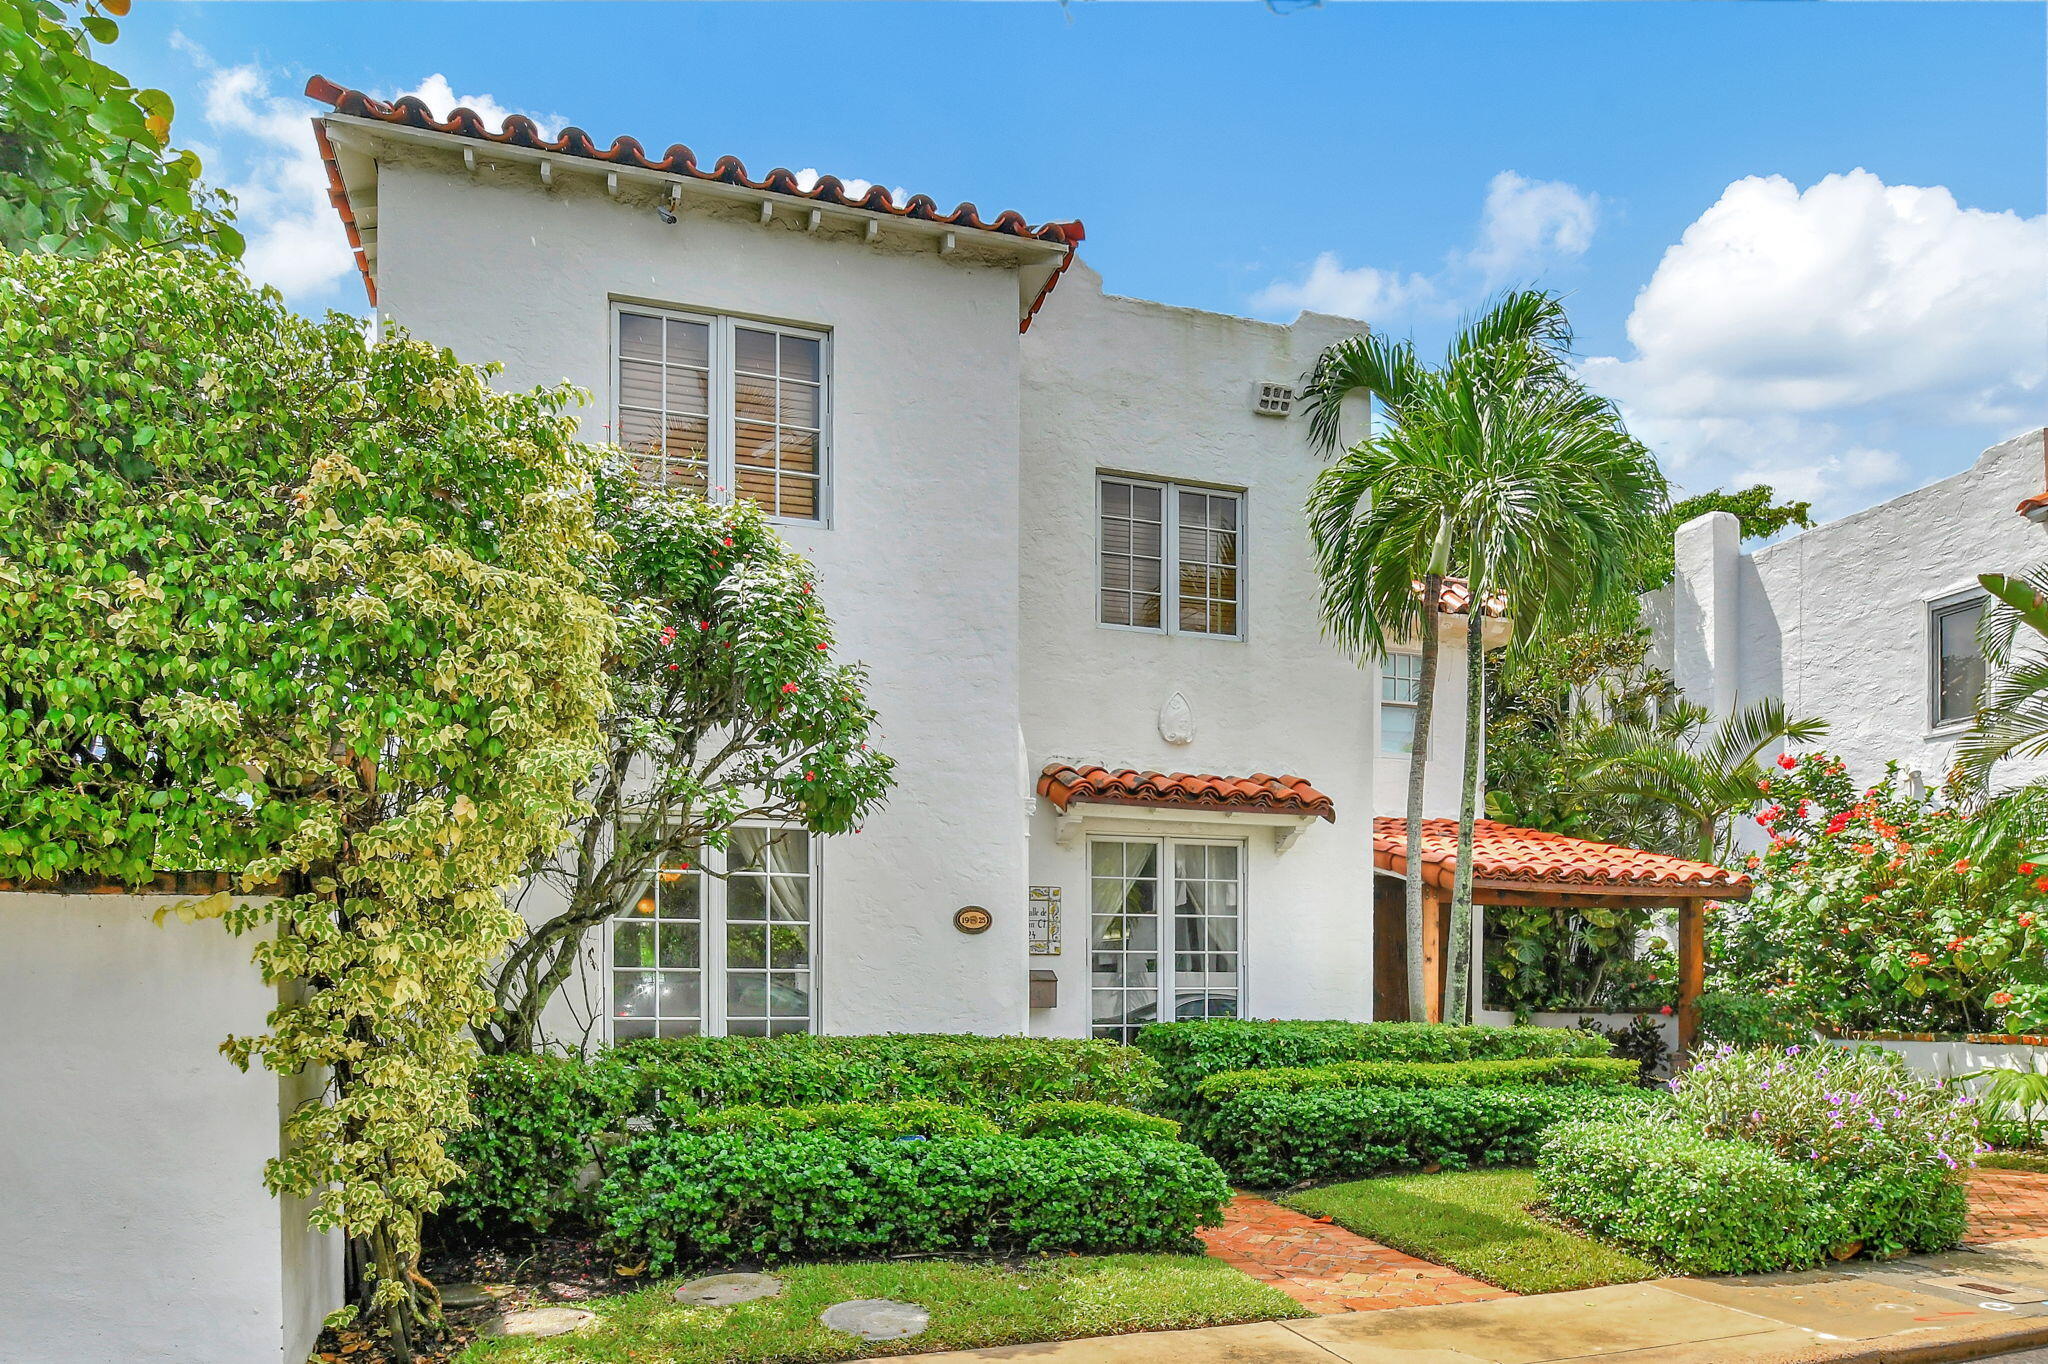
(1400, 690)
(1958, 662)
(730, 954)
(1170, 557)
(727, 407)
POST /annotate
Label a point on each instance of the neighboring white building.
(1060, 528)
(1868, 622)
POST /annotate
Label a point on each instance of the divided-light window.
(1168, 557)
(725, 406)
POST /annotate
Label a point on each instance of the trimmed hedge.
(539, 1123)
(1699, 1205)
(677, 1075)
(681, 1198)
(1060, 1117)
(1275, 1137)
(1190, 1052)
(910, 1118)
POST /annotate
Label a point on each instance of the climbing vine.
(311, 611)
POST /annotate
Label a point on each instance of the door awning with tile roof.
(1507, 859)
(1081, 792)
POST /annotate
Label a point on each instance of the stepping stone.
(547, 1321)
(460, 1297)
(723, 1290)
(876, 1318)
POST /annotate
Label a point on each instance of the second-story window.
(1400, 690)
(1958, 661)
(1169, 557)
(726, 406)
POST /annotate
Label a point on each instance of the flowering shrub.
(1879, 909)
(1890, 1145)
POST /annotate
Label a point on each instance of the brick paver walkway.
(1328, 1269)
(2007, 1205)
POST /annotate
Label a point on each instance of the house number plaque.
(972, 919)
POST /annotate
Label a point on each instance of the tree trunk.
(1418, 768)
(1457, 988)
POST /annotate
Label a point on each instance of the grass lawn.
(1476, 1221)
(2036, 1161)
(972, 1305)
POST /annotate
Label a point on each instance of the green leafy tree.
(727, 708)
(85, 157)
(313, 612)
(1700, 771)
(1501, 464)
(2012, 711)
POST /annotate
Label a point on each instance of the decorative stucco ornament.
(1177, 720)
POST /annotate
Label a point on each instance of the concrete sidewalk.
(1963, 1304)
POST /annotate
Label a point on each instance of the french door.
(1165, 928)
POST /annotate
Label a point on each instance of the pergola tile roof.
(1505, 854)
(1064, 784)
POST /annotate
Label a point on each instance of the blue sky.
(1803, 243)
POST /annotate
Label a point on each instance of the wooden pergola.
(1514, 866)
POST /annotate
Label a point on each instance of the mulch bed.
(551, 1271)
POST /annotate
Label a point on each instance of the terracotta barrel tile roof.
(1064, 785)
(1504, 853)
(520, 131)
(2030, 505)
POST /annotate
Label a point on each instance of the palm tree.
(2012, 711)
(1684, 763)
(1497, 463)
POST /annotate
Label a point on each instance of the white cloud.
(1528, 224)
(1362, 292)
(295, 242)
(1524, 227)
(441, 100)
(1788, 330)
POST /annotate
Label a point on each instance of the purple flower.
(1792, 1051)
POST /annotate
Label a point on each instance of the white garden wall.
(136, 1227)
(1950, 1058)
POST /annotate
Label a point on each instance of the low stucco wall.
(1948, 1058)
(134, 1225)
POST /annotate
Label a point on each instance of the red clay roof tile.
(520, 131)
(1065, 785)
(2029, 505)
(1502, 852)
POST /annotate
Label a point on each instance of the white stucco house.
(1868, 622)
(1063, 529)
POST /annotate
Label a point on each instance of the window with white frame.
(729, 954)
(1958, 662)
(1400, 690)
(1169, 557)
(1193, 891)
(726, 406)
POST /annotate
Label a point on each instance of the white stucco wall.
(1117, 385)
(1835, 620)
(918, 567)
(135, 1226)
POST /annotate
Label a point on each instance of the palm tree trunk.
(1457, 991)
(1418, 770)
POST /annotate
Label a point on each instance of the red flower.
(2001, 998)
(1665, 1010)
(703, 625)
(2042, 885)
(674, 666)
(1868, 898)
(810, 776)
(1764, 785)
(1962, 864)
(788, 687)
(1787, 761)
(2026, 868)
(823, 647)
(1956, 944)
(728, 542)
(1920, 959)
(2026, 921)
(1839, 822)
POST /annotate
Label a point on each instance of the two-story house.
(1063, 529)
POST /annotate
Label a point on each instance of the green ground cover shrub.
(1268, 1138)
(1188, 1053)
(539, 1121)
(1698, 1204)
(686, 1198)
